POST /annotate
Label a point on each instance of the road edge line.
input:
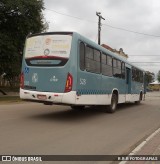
(141, 145)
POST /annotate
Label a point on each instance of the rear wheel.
(77, 107)
(113, 106)
(140, 99)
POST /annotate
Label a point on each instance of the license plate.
(42, 97)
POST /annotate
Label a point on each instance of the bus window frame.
(85, 51)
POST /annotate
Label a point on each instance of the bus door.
(128, 81)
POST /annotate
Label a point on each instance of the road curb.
(142, 144)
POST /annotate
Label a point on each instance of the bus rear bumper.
(48, 97)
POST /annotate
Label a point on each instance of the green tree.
(149, 77)
(18, 18)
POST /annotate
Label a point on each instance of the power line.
(123, 29)
(118, 28)
(144, 62)
(143, 55)
(146, 65)
(71, 16)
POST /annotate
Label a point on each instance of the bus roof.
(108, 52)
(85, 39)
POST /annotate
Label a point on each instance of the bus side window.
(137, 75)
(89, 60)
(119, 69)
(109, 66)
(123, 70)
(82, 56)
(104, 64)
(133, 74)
(97, 59)
(115, 68)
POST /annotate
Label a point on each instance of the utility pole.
(99, 26)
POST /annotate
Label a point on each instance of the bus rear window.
(48, 50)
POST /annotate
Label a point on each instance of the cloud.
(141, 16)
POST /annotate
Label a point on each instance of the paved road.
(29, 128)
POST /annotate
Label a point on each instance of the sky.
(133, 25)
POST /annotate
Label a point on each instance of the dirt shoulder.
(9, 97)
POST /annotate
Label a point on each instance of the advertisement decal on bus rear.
(48, 50)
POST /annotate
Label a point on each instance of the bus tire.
(77, 107)
(113, 106)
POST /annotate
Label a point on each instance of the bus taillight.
(69, 83)
(22, 80)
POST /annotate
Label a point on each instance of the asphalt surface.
(30, 128)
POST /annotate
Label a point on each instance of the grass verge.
(9, 99)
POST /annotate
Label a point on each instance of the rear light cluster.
(22, 80)
(69, 83)
(68, 86)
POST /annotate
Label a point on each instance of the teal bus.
(67, 68)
